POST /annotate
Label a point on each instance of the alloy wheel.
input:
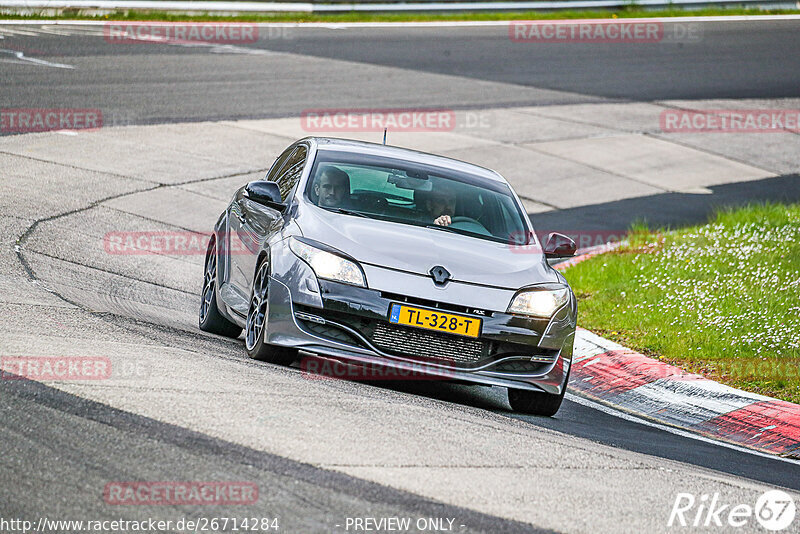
(209, 280)
(256, 315)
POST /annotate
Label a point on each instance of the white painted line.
(419, 24)
(671, 429)
(603, 343)
(26, 33)
(679, 402)
(25, 59)
(52, 31)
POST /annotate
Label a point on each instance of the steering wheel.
(373, 204)
(462, 219)
(469, 224)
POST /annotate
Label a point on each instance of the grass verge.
(722, 300)
(628, 12)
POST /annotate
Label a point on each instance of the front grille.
(427, 345)
(434, 347)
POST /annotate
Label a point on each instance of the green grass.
(628, 12)
(722, 299)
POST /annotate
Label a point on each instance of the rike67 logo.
(774, 511)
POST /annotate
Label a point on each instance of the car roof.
(363, 147)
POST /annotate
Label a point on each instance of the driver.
(332, 188)
(440, 205)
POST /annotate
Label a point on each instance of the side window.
(292, 169)
(278, 165)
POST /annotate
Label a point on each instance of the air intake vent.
(428, 346)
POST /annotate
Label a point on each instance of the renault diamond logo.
(440, 275)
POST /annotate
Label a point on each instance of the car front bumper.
(343, 322)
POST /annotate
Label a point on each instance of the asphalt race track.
(187, 406)
(453, 67)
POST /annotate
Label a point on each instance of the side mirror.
(266, 193)
(559, 246)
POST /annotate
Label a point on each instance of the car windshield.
(419, 195)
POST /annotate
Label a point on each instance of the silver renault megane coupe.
(380, 256)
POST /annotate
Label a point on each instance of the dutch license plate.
(440, 321)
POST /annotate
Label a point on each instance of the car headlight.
(539, 302)
(328, 265)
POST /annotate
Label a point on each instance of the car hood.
(417, 250)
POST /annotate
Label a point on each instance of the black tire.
(256, 326)
(210, 319)
(534, 402)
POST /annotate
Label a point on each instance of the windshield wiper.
(347, 212)
(466, 233)
(445, 228)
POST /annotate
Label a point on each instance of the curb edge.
(617, 376)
